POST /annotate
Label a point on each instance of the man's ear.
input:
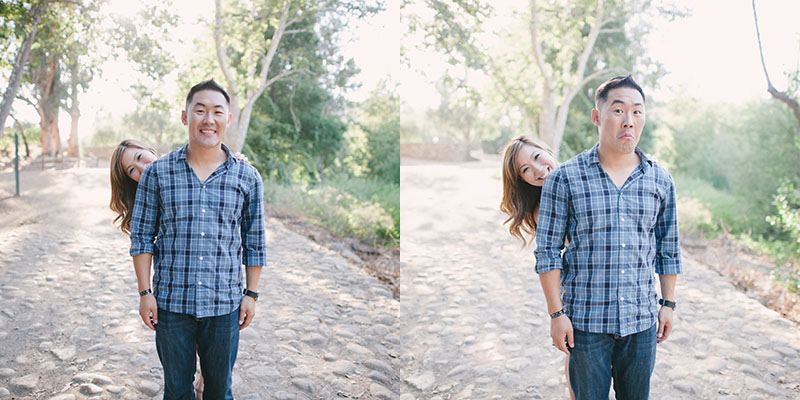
(595, 117)
(183, 116)
(230, 117)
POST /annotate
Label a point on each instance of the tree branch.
(220, 47)
(782, 96)
(537, 47)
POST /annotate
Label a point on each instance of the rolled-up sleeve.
(551, 229)
(144, 221)
(254, 240)
(668, 250)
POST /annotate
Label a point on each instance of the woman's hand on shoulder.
(242, 157)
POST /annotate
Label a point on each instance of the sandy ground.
(69, 324)
(473, 317)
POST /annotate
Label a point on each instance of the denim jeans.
(599, 357)
(215, 339)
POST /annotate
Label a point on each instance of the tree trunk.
(553, 117)
(19, 68)
(240, 121)
(75, 114)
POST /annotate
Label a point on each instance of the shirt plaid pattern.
(617, 238)
(199, 233)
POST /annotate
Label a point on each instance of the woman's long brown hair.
(520, 199)
(123, 188)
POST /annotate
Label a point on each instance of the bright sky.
(711, 54)
(372, 43)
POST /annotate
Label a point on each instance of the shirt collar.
(181, 154)
(646, 161)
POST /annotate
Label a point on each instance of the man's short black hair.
(616, 82)
(207, 85)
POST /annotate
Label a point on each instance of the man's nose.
(208, 118)
(628, 122)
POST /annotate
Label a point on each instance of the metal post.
(16, 161)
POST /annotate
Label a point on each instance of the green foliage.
(787, 203)
(292, 138)
(367, 210)
(742, 151)
(379, 121)
(106, 134)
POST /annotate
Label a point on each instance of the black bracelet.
(145, 292)
(667, 303)
(557, 314)
(248, 292)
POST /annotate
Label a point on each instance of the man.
(198, 215)
(614, 210)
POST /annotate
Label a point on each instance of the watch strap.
(248, 292)
(145, 292)
(557, 314)
(667, 303)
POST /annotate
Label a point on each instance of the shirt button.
(203, 210)
(204, 186)
(201, 258)
(621, 299)
(622, 272)
(623, 245)
(623, 219)
(202, 233)
(200, 283)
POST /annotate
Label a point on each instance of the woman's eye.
(138, 156)
(536, 157)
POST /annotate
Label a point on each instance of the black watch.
(248, 292)
(667, 303)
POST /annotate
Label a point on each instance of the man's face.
(207, 118)
(620, 119)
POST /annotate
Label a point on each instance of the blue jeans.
(215, 339)
(597, 357)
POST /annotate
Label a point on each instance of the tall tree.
(17, 12)
(569, 44)
(248, 36)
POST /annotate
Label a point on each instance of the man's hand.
(247, 310)
(665, 323)
(561, 333)
(148, 310)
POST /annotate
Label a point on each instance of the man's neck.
(205, 155)
(615, 160)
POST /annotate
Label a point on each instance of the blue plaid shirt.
(199, 233)
(617, 238)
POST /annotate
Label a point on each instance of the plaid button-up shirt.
(199, 233)
(617, 238)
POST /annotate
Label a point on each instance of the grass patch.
(364, 209)
(715, 210)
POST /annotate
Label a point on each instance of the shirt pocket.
(643, 207)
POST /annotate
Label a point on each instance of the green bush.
(368, 210)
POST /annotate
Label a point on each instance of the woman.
(527, 161)
(127, 164)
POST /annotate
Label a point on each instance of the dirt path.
(473, 319)
(69, 325)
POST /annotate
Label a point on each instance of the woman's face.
(534, 164)
(134, 161)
